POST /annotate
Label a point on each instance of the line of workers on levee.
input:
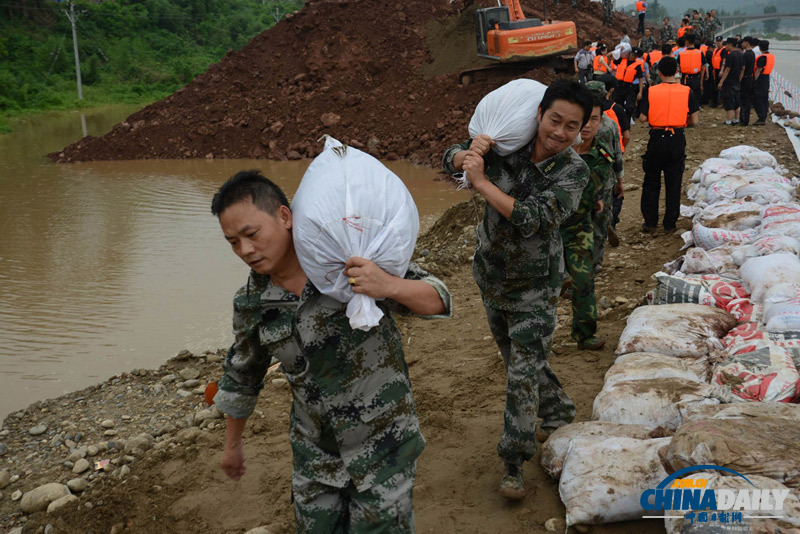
(734, 72)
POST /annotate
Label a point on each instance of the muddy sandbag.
(764, 446)
(602, 482)
(780, 496)
(681, 330)
(709, 238)
(742, 410)
(782, 219)
(718, 260)
(749, 157)
(649, 365)
(578, 435)
(652, 402)
(760, 274)
(731, 215)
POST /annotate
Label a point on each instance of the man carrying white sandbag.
(354, 430)
(518, 265)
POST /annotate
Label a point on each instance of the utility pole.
(73, 18)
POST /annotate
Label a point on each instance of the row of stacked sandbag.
(690, 365)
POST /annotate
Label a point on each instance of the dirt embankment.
(380, 75)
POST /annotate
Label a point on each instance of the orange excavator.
(505, 35)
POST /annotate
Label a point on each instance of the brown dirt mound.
(451, 241)
(379, 75)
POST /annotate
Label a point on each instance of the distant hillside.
(130, 50)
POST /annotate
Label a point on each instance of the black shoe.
(649, 229)
(613, 237)
(759, 123)
(668, 231)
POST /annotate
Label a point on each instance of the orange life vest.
(613, 116)
(623, 64)
(770, 63)
(669, 105)
(683, 29)
(630, 70)
(640, 7)
(655, 56)
(703, 48)
(691, 61)
(596, 65)
(674, 48)
(716, 58)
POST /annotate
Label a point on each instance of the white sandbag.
(679, 288)
(709, 238)
(718, 260)
(782, 219)
(752, 446)
(782, 308)
(742, 410)
(509, 115)
(348, 204)
(652, 402)
(784, 512)
(767, 374)
(696, 193)
(761, 273)
(767, 175)
(681, 330)
(763, 245)
(718, 166)
(725, 188)
(736, 215)
(578, 435)
(603, 482)
(764, 193)
(649, 365)
(749, 157)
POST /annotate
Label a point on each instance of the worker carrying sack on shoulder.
(509, 115)
(348, 204)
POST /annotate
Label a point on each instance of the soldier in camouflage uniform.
(519, 263)
(667, 32)
(354, 430)
(608, 137)
(712, 25)
(577, 232)
(608, 12)
(647, 43)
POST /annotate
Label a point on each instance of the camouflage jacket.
(353, 415)
(603, 160)
(711, 27)
(520, 260)
(667, 34)
(647, 43)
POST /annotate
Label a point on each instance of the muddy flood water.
(110, 266)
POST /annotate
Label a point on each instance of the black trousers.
(693, 82)
(714, 95)
(626, 97)
(746, 87)
(640, 29)
(666, 152)
(761, 97)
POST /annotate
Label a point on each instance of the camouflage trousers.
(600, 221)
(578, 246)
(382, 509)
(532, 388)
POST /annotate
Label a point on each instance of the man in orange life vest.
(630, 81)
(641, 10)
(764, 65)
(671, 108)
(691, 63)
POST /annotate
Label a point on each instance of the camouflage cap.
(597, 88)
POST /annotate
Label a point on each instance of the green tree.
(771, 26)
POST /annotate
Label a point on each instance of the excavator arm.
(514, 10)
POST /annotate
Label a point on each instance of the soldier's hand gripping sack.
(348, 204)
(509, 115)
